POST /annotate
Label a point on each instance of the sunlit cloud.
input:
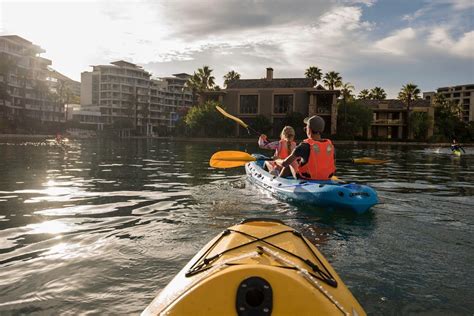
(168, 37)
(397, 43)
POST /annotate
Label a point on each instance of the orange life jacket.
(282, 150)
(320, 164)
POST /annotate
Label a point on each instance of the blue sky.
(369, 42)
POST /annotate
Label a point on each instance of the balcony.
(387, 122)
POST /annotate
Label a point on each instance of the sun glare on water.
(49, 227)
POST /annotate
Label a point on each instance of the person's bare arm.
(286, 162)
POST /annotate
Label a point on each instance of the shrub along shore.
(19, 137)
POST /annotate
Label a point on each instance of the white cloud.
(397, 43)
(465, 46)
(442, 40)
(462, 4)
(368, 3)
(244, 35)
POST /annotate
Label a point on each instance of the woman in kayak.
(455, 146)
(316, 155)
(282, 148)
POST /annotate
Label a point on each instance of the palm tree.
(207, 79)
(314, 73)
(364, 94)
(407, 94)
(346, 91)
(377, 93)
(231, 76)
(194, 84)
(332, 80)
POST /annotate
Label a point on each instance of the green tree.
(206, 78)
(202, 80)
(346, 91)
(377, 93)
(204, 120)
(420, 122)
(332, 80)
(231, 76)
(262, 124)
(314, 73)
(353, 119)
(364, 94)
(407, 95)
(193, 84)
(295, 120)
(448, 123)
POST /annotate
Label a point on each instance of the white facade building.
(463, 95)
(125, 92)
(24, 75)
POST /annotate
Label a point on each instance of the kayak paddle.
(236, 119)
(232, 158)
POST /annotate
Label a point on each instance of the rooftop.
(394, 104)
(272, 83)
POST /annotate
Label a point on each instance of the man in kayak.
(456, 146)
(315, 154)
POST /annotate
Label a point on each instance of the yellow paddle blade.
(369, 161)
(230, 159)
(223, 112)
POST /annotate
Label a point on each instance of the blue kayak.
(326, 193)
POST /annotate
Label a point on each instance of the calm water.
(100, 226)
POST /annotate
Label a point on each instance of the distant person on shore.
(456, 146)
(315, 155)
(282, 148)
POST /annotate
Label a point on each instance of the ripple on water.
(75, 239)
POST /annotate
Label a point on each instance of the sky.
(383, 43)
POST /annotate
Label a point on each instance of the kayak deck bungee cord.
(258, 267)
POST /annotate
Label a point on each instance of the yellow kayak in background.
(259, 267)
(457, 152)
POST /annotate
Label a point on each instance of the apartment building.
(390, 118)
(23, 74)
(67, 89)
(275, 98)
(463, 95)
(169, 100)
(126, 92)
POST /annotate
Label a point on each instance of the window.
(282, 104)
(248, 104)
